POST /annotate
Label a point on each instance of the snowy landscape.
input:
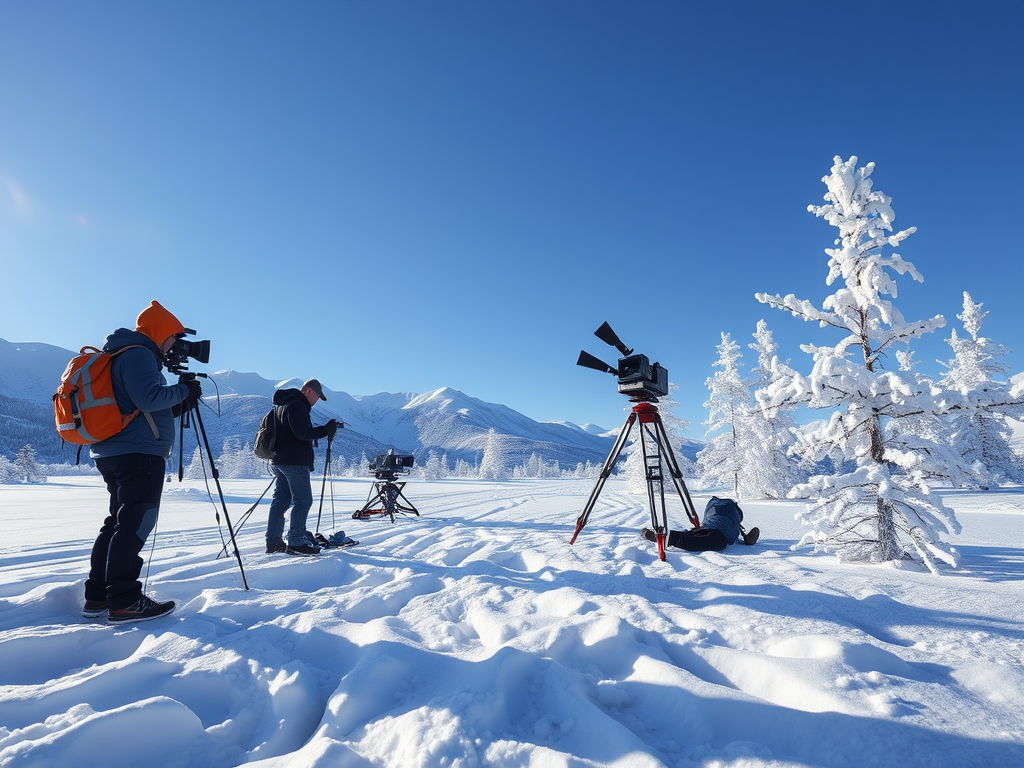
(876, 622)
(474, 635)
(429, 208)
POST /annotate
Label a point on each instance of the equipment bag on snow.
(83, 405)
(266, 436)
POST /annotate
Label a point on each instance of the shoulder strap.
(136, 412)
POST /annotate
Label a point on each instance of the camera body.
(182, 349)
(641, 379)
(387, 466)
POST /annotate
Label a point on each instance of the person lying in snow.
(720, 527)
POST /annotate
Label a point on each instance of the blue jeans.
(292, 489)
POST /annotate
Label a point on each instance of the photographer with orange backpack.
(132, 463)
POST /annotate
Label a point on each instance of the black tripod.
(190, 407)
(651, 426)
(386, 493)
(323, 486)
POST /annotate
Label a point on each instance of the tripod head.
(639, 379)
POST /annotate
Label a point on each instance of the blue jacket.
(723, 515)
(139, 383)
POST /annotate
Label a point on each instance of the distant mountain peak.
(444, 420)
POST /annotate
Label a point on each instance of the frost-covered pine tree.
(8, 472)
(196, 469)
(773, 470)
(675, 426)
(27, 469)
(339, 465)
(867, 513)
(436, 467)
(633, 467)
(978, 426)
(492, 465)
(725, 457)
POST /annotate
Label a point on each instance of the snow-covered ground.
(476, 636)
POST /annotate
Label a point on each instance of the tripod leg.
(389, 500)
(408, 507)
(371, 499)
(220, 491)
(654, 477)
(323, 485)
(606, 470)
(245, 516)
(677, 475)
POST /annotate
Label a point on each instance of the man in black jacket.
(292, 465)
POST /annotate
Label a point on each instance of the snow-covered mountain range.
(445, 421)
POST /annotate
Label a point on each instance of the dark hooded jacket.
(137, 376)
(293, 444)
(723, 515)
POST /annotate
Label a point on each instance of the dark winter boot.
(143, 610)
(93, 609)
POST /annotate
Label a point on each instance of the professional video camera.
(387, 466)
(638, 378)
(177, 359)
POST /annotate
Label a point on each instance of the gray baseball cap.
(314, 384)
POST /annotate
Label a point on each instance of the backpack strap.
(147, 414)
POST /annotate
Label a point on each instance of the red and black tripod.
(657, 454)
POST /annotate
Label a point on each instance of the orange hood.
(158, 324)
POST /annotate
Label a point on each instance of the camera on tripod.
(387, 466)
(639, 378)
(177, 358)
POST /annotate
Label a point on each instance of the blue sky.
(400, 196)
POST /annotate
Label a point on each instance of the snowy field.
(476, 636)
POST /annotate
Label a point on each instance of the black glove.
(195, 389)
(332, 428)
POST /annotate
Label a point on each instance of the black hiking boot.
(93, 609)
(275, 548)
(143, 610)
(303, 550)
(750, 537)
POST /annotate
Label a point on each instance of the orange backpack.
(84, 408)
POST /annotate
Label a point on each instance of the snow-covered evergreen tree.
(8, 472)
(197, 469)
(339, 465)
(435, 468)
(492, 465)
(26, 467)
(725, 457)
(238, 460)
(866, 513)
(675, 426)
(772, 469)
(978, 426)
(633, 467)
